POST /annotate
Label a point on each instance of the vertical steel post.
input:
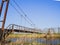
(5, 14)
(13, 28)
(4, 19)
(1, 7)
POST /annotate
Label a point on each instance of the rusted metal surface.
(4, 19)
(1, 6)
(5, 14)
(17, 28)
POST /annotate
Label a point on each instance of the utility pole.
(4, 18)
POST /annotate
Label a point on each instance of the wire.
(15, 9)
(23, 12)
(20, 13)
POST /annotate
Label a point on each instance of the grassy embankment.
(26, 43)
(26, 35)
(32, 35)
(29, 36)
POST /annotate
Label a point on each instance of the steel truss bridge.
(17, 28)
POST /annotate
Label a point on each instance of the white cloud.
(56, 0)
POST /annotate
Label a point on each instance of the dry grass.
(32, 35)
(25, 43)
(26, 35)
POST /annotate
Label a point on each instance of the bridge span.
(17, 28)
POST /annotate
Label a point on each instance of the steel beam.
(1, 6)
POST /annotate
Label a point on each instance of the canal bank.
(31, 39)
(33, 36)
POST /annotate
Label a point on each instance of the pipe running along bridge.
(17, 28)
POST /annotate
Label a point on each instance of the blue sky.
(43, 13)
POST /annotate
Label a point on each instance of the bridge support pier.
(2, 39)
(1, 32)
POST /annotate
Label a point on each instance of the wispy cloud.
(56, 0)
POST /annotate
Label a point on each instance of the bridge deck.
(17, 30)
